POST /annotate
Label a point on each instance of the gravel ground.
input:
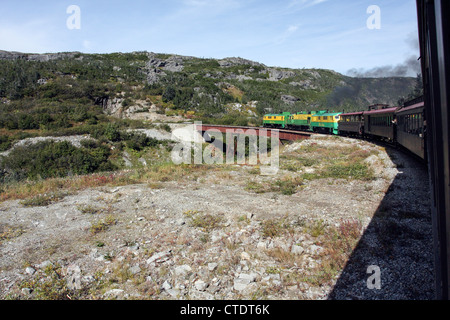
(209, 236)
(398, 240)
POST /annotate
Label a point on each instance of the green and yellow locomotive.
(316, 121)
(276, 120)
(326, 122)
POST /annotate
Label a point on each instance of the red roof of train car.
(352, 114)
(381, 111)
(414, 106)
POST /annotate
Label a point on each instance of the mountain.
(63, 90)
(79, 108)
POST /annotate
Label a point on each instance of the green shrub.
(165, 127)
(112, 132)
(53, 159)
(5, 143)
(138, 141)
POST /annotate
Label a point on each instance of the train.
(403, 126)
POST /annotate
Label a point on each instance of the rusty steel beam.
(289, 135)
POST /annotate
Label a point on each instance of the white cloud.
(286, 34)
(216, 4)
(305, 3)
(195, 2)
(87, 44)
(292, 29)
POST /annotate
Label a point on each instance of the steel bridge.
(281, 134)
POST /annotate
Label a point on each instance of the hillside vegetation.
(104, 95)
(59, 91)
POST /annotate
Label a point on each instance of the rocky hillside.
(188, 86)
(103, 96)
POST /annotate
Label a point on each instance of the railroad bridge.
(282, 134)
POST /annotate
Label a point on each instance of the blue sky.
(330, 34)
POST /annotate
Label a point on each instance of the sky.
(346, 36)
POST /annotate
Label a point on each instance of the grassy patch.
(255, 186)
(272, 228)
(102, 225)
(89, 209)
(357, 171)
(286, 185)
(286, 258)
(315, 229)
(205, 221)
(30, 189)
(42, 191)
(50, 285)
(43, 200)
(7, 233)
